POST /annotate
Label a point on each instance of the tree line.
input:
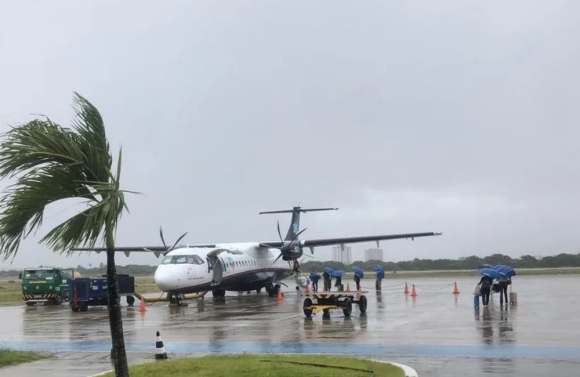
(467, 263)
(130, 269)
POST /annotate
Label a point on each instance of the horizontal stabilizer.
(298, 209)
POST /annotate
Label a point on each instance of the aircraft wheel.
(130, 300)
(347, 307)
(307, 304)
(362, 304)
(275, 290)
(258, 290)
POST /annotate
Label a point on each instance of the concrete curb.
(103, 373)
(409, 372)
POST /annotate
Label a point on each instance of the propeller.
(286, 245)
(167, 250)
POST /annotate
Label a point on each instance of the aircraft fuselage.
(226, 267)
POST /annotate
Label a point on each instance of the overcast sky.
(460, 117)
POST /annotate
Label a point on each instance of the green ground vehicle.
(45, 284)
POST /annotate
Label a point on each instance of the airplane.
(241, 266)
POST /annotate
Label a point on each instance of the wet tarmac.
(437, 333)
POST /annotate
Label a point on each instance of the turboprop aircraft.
(244, 266)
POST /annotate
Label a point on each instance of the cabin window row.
(196, 259)
(246, 263)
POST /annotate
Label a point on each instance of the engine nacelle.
(292, 254)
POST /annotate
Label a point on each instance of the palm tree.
(57, 163)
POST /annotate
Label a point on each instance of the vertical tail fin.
(294, 227)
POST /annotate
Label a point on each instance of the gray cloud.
(409, 116)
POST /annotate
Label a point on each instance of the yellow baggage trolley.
(334, 300)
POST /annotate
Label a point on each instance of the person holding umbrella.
(314, 277)
(380, 276)
(485, 284)
(327, 279)
(503, 284)
(504, 279)
(358, 274)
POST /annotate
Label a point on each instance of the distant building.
(344, 256)
(373, 254)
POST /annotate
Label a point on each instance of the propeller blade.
(179, 239)
(162, 239)
(279, 233)
(275, 260)
(299, 233)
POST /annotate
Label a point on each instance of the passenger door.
(216, 264)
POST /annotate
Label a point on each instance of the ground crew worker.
(357, 281)
(380, 277)
(338, 284)
(314, 277)
(327, 281)
(296, 266)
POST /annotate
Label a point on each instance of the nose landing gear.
(176, 299)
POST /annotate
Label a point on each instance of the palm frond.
(38, 143)
(90, 128)
(86, 227)
(59, 163)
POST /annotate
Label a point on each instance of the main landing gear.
(273, 289)
(218, 293)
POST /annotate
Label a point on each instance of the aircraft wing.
(157, 250)
(341, 241)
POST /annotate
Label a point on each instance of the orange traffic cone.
(413, 292)
(142, 308)
(347, 287)
(280, 295)
(307, 289)
(406, 289)
(455, 290)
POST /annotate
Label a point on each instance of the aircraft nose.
(164, 279)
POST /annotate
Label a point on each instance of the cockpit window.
(183, 259)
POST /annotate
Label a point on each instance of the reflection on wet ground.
(436, 330)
